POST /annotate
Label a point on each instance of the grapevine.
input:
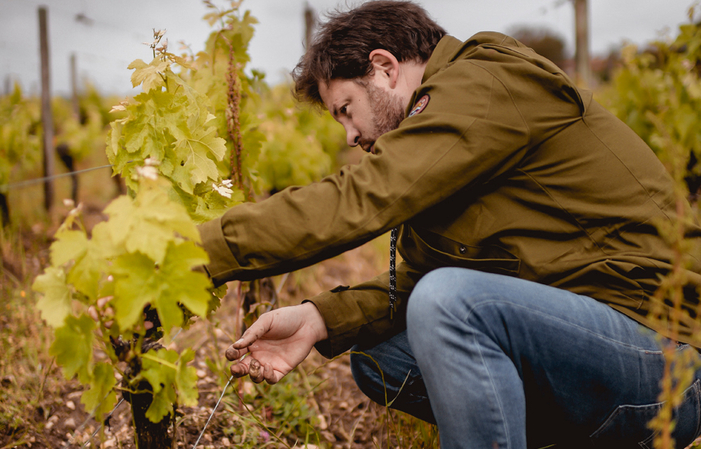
(167, 146)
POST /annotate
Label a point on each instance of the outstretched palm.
(278, 341)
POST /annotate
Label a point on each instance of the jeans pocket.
(627, 425)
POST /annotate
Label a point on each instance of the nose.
(352, 136)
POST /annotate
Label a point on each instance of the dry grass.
(318, 404)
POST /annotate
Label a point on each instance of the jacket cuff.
(221, 259)
(335, 344)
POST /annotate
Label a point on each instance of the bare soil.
(344, 417)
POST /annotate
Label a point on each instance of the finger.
(269, 374)
(233, 354)
(239, 369)
(93, 313)
(104, 300)
(253, 333)
(255, 371)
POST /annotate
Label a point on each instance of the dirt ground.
(344, 417)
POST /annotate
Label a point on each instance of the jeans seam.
(499, 405)
(559, 320)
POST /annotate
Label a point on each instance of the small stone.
(75, 395)
(69, 423)
(201, 373)
(225, 442)
(51, 422)
(322, 422)
(109, 443)
(70, 405)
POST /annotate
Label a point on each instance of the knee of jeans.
(428, 298)
(367, 376)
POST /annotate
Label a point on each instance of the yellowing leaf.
(186, 379)
(149, 75)
(55, 304)
(147, 223)
(72, 347)
(101, 397)
(161, 374)
(135, 285)
(85, 275)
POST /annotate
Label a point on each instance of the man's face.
(365, 111)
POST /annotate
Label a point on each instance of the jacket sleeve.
(360, 314)
(470, 131)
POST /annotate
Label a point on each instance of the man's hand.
(277, 343)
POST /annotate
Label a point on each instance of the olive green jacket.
(509, 169)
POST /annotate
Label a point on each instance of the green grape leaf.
(183, 285)
(198, 166)
(55, 304)
(86, 273)
(147, 223)
(186, 379)
(69, 245)
(139, 282)
(101, 397)
(161, 375)
(72, 347)
(136, 284)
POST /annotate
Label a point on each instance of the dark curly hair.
(341, 47)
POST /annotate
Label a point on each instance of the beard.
(388, 113)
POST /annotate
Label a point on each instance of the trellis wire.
(30, 182)
(213, 410)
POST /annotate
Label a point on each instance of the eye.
(344, 109)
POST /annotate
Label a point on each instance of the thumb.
(253, 333)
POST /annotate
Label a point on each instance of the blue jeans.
(499, 362)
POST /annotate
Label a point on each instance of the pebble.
(225, 442)
(70, 405)
(50, 422)
(322, 422)
(75, 395)
(70, 423)
(201, 373)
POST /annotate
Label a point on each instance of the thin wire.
(47, 178)
(213, 410)
(100, 426)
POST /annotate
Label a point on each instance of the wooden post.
(46, 115)
(309, 24)
(74, 87)
(582, 66)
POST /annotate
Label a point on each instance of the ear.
(386, 65)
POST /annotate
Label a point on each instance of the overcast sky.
(106, 35)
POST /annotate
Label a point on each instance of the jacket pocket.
(627, 425)
(435, 251)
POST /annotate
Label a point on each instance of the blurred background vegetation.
(655, 89)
